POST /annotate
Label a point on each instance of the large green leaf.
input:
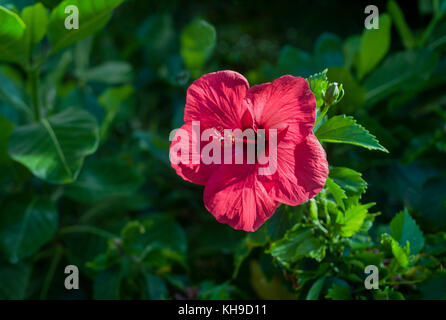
(14, 280)
(345, 129)
(12, 44)
(104, 178)
(197, 43)
(25, 226)
(374, 45)
(93, 16)
(54, 148)
(36, 20)
(404, 228)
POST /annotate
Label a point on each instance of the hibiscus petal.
(197, 172)
(217, 100)
(287, 102)
(302, 170)
(235, 197)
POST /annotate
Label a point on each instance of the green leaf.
(339, 293)
(375, 44)
(400, 24)
(157, 233)
(433, 288)
(405, 70)
(352, 45)
(14, 279)
(12, 44)
(337, 192)
(401, 254)
(83, 98)
(283, 219)
(315, 290)
(318, 83)
(93, 16)
(404, 228)
(388, 294)
(296, 245)
(36, 20)
(104, 178)
(349, 180)
(296, 62)
(5, 134)
(25, 226)
(112, 100)
(156, 287)
(197, 43)
(54, 148)
(241, 253)
(107, 285)
(210, 291)
(11, 95)
(328, 51)
(354, 218)
(430, 203)
(112, 72)
(345, 129)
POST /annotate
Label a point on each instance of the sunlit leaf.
(93, 16)
(345, 129)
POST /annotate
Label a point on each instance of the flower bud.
(334, 93)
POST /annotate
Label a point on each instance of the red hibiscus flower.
(236, 194)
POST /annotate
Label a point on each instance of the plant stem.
(427, 33)
(322, 114)
(51, 272)
(34, 82)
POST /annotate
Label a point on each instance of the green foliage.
(24, 228)
(197, 43)
(12, 46)
(353, 219)
(94, 17)
(85, 179)
(36, 21)
(404, 229)
(375, 44)
(343, 129)
(54, 148)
